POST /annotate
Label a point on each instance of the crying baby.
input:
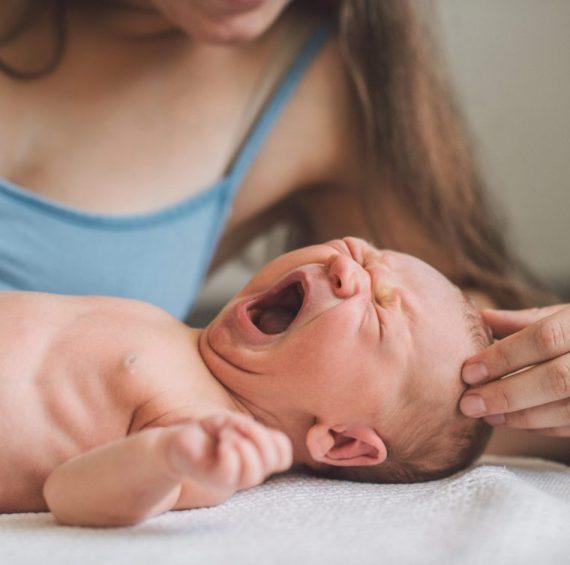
(339, 357)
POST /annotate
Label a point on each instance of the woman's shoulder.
(332, 100)
(315, 141)
(326, 106)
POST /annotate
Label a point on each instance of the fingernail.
(473, 405)
(495, 419)
(474, 373)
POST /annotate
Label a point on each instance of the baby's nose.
(346, 276)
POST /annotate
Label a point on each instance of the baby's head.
(355, 353)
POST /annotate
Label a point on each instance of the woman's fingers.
(506, 322)
(553, 432)
(544, 383)
(547, 416)
(543, 340)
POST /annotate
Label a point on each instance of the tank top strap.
(273, 108)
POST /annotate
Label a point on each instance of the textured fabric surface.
(502, 511)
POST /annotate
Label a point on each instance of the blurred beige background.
(510, 63)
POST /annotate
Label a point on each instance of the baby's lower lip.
(245, 325)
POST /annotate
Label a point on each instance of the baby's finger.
(213, 424)
(251, 466)
(284, 450)
(227, 466)
(544, 383)
(544, 340)
(551, 415)
(188, 449)
(262, 438)
(506, 322)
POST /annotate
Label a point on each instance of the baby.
(338, 356)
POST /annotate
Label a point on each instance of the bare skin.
(521, 384)
(119, 88)
(130, 413)
(87, 376)
(114, 89)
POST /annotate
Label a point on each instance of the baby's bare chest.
(65, 387)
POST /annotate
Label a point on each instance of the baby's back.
(69, 380)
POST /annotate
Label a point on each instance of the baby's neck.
(209, 383)
(181, 387)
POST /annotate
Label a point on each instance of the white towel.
(508, 510)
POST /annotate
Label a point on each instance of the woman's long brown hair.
(419, 147)
(416, 140)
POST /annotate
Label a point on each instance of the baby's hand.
(227, 451)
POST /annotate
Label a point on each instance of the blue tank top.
(160, 257)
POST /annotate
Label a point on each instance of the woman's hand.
(537, 398)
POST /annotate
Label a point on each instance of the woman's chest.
(111, 148)
(125, 142)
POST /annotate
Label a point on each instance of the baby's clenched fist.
(228, 451)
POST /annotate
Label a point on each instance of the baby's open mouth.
(275, 312)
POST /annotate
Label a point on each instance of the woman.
(140, 136)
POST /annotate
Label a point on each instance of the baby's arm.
(159, 469)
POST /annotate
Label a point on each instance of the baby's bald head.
(355, 353)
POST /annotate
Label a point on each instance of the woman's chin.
(229, 33)
(223, 22)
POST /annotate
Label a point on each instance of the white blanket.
(512, 511)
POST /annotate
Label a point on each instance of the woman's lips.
(235, 7)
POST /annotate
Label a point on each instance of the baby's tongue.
(275, 320)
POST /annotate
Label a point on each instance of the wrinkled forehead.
(440, 327)
(434, 309)
(416, 275)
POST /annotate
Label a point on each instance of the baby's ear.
(346, 446)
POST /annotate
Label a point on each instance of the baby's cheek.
(335, 384)
(321, 356)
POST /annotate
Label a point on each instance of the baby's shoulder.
(129, 325)
(168, 376)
